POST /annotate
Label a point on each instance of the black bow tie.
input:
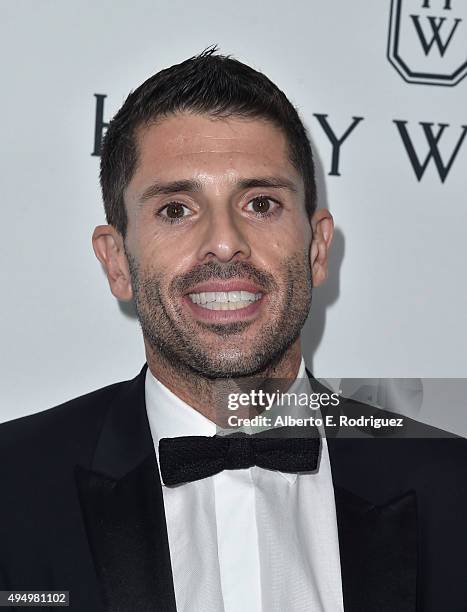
(189, 458)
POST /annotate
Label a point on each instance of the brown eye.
(174, 210)
(261, 205)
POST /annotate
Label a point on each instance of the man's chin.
(228, 362)
(218, 371)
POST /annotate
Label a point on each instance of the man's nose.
(223, 237)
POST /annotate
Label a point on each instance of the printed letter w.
(433, 141)
(436, 23)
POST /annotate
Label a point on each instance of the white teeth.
(224, 300)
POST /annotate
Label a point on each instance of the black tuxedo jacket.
(81, 509)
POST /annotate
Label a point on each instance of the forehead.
(184, 144)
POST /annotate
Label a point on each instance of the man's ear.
(108, 247)
(323, 229)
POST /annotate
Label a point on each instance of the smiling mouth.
(224, 300)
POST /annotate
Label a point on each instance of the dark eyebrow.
(192, 186)
(268, 182)
(157, 189)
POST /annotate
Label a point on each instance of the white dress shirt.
(248, 540)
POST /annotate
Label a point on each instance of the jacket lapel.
(378, 553)
(377, 541)
(123, 510)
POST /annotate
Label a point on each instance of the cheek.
(283, 242)
(164, 262)
(160, 251)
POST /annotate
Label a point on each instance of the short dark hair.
(208, 83)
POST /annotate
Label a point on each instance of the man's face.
(218, 243)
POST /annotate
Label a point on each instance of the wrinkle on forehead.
(214, 151)
(204, 143)
(193, 133)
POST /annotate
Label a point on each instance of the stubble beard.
(177, 339)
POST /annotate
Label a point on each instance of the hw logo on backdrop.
(428, 40)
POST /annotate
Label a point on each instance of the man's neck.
(209, 396)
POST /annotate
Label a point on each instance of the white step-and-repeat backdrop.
(381, 87)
